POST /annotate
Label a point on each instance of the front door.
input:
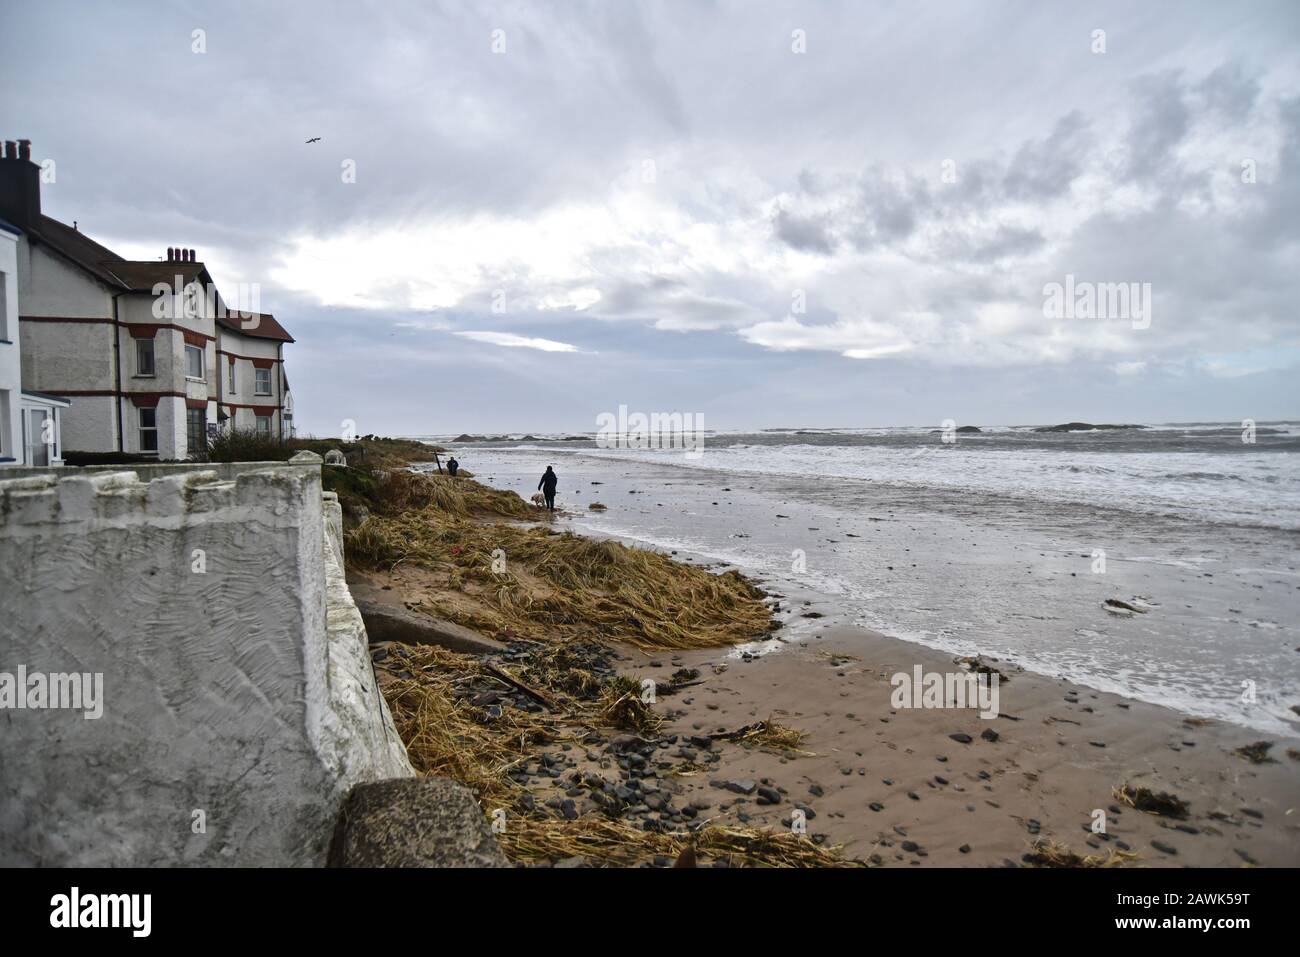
(39, 440)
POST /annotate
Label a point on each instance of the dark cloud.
(806, 233)
(773, 173)
(1046, 168)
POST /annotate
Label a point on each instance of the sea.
(1007, 542)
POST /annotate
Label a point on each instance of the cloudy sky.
(521, 215)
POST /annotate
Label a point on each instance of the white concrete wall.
(52, 286)
(245, 691)
(89, 425)
(10, 361)
(68, 355)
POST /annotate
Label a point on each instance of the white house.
(29, 421)
(252, 391)
(132, 345)
(11, 389)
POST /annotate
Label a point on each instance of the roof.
(77, 246)
(265, 328)
(46, 397)
(142, 276)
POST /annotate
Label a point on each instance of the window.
(262, 385)
(193, 362)
(4, 308)
(231, 376)
(148, 430)
(196, 431)
(264, 426)
(144, 357)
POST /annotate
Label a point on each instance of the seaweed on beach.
(1159, 803)
(837, 660)
(975, 664)
(446, 735)
(1256, 753)
(1048, 853)
(533, 582)
(765, 734)
(621, 706)
(431, 693)
(602, 841)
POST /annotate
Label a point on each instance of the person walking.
(452, 466)
(547, 486)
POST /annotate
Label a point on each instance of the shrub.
(245, 445)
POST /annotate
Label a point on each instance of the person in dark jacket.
(547, 486)
(452, 466)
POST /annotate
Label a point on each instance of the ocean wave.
(1088, 469)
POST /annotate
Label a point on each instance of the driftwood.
(503, 675)
(1116, 603)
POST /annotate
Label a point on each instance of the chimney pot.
(25, 149)
(170, 254)
(193, 258)
(187, 255)
(11, 149)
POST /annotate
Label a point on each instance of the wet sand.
(1060, 750)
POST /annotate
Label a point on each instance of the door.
(38, 452)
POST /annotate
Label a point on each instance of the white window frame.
(153, 358)
(257, 424)
(257, 381)
(142, 428)
(231, 379)
(4, 307)
(203, 365)
(5, 453)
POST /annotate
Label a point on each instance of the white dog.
(539, 499)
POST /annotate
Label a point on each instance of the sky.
(519, 216)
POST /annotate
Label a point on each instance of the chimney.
(192, 259)
(171, 254)
(20, 184)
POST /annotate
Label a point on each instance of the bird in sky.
(314, 139)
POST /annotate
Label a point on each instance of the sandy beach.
(878, 777)
(908, 786)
